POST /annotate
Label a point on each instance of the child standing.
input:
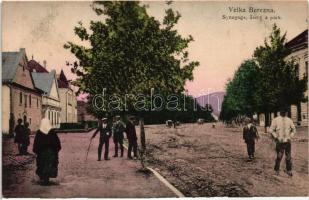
(250, 134)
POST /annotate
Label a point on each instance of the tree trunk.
(143, 143)
(266, 121)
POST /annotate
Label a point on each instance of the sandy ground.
(117, 177)
(202, 161)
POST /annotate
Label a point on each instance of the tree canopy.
(131, 52)
(266, 83)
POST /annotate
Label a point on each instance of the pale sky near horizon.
(220, 45)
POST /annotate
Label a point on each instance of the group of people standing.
(282, 131)
(116, 130)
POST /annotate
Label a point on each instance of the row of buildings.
(30, 92)
(299, 51)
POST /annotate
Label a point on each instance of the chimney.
(44, 64)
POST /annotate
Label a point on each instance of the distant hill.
(214, 99)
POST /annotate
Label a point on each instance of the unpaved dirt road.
(202, 161)
(117, 177)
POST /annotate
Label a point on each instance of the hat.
(104, 119)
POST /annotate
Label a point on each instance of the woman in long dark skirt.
(46, 146)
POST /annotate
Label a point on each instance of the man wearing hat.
(105, 133)
(250, 134)
(283, 130)
(118, 129)
(132, 138)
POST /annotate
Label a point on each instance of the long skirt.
(47, 164)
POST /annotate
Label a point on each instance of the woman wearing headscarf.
(46, 146)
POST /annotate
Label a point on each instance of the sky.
(220, 45)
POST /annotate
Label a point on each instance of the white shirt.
(283, 128)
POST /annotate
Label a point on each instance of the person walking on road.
(283, 130)
(132, 138)
(46, 146)
(105, 133)
(250, 134)
(19, 136)
(118, 129)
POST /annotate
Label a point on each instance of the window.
(20, 98)
(49, 115)
(29, 120)
(37, 102)
(30, 100)
(25, 101)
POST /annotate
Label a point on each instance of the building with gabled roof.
(47, 82)
(68, 99)
(20, 98)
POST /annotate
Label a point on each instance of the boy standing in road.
(250, 134)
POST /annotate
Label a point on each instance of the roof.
(43, 81)
(63, 81)
(62, 84)
(10, 61)
(34, 66)
(298, 42)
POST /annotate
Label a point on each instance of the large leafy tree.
(240, 96)
(131, 52)
(279, 83)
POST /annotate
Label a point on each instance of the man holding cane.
(105, 133)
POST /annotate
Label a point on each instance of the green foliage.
(240, 96)
(266, 83)
(279, 83)
(131, 52)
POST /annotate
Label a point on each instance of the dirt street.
(117, 177)
(202, 161)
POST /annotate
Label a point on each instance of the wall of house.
(68, 104)
(301, 57)
(27, 104)
(6, 104)
(25, 108)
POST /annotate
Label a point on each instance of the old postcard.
(154, 99)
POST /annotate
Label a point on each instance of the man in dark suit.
(105, 133)
(132, 138)
(250, 134)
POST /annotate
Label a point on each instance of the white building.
(68, 100)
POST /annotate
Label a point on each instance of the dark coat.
(131, 132)
(47, 147)
(19, 133)
(105, 133)
(27, 136)
(250, 134)
(118, 129)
